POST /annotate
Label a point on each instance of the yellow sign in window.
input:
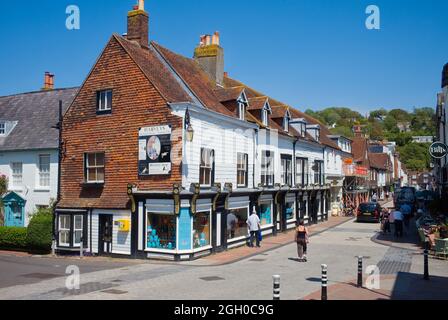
(123, 225)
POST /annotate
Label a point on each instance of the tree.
(344, 131)
(379, 115)
(390, 124)
(376, 131)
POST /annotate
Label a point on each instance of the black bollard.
(324, 295)
(426, 260)
(360, 272)
(276, 287)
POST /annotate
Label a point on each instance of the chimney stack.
(210, 56)
(138, 24)
(357, 130)
(445, 76)
(49, 81)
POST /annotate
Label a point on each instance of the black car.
(369, 212)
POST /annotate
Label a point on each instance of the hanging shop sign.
(154, 151)
(438, 150)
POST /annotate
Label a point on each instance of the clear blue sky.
(308, 53)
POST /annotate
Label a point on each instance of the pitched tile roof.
(379, 161)
(228, 94)
(36, 113)
(359, 150)
(257, 103)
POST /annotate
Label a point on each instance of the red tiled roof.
(257, 103)
(359, 150)
(228, 94)
(198, 81)
(379, 161)
(279, 111)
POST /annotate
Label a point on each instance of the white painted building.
(29, 151)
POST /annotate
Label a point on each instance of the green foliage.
(415, 156)
(344, 131)
(13, 238)
(40, 235)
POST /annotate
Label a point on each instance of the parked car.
(369, 212)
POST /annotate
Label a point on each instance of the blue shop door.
(14, 208)
(14, 215)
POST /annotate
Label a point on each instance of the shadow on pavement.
(411, 286)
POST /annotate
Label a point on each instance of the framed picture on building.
(154, 151)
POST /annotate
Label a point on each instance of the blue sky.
(307, 53)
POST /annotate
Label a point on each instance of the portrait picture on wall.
(154, 151)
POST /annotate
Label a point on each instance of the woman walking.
(302, 241)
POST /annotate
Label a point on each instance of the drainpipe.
(60, 146)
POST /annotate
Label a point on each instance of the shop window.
(64, 230)
(242, 170)
(290, 211)
(201, 230)
(236, 223)
(161, 231)
(265, 214)
(206, 171)
(94, 167)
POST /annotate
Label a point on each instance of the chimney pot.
(48, 81)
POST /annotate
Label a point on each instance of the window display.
(290, 211)
(201, 230)
(236, 223)
(266, 213)
(161, 231)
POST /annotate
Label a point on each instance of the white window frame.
(95, 166)
(245, 161)
(206, 166)
(77, 244)
(2, 128)
(241, 111)
(14, 176)
(63, 230)
(286, 173)
(269, 171)
(103, 100)
(44, 174)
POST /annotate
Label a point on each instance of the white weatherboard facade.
(29, 188)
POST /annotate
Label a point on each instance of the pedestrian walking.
(302, 239)
(398, 223)
(406, 210)
(374, 197)
(385, 222)
(253, 223)
(387, 196)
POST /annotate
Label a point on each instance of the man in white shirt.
(398, 223)
(253, 224)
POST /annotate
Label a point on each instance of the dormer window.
(265, 114)
(314, 131)
(243, 102)
(286, 120)
(6, 127)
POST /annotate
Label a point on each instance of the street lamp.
(188, 126)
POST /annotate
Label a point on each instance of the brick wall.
(136, 104)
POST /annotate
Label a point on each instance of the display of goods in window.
(154, 151)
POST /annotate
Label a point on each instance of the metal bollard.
(426, 260)
(276, 287)
(81, 249)
(324, 282)
(359, 285)
(53, 248)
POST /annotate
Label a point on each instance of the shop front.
(237, 213)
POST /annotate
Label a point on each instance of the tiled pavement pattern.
(396, 260)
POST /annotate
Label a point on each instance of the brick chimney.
(210, 56)
(445, 76)
(48, 81)
(357, 130)
(138, 24)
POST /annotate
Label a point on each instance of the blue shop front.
(14, 209)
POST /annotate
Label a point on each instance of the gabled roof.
(360, 150)
(280, 112)
(379, 161)
(229, 94)
(36, 113)
(257, 103)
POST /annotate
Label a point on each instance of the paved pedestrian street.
(251, 278)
